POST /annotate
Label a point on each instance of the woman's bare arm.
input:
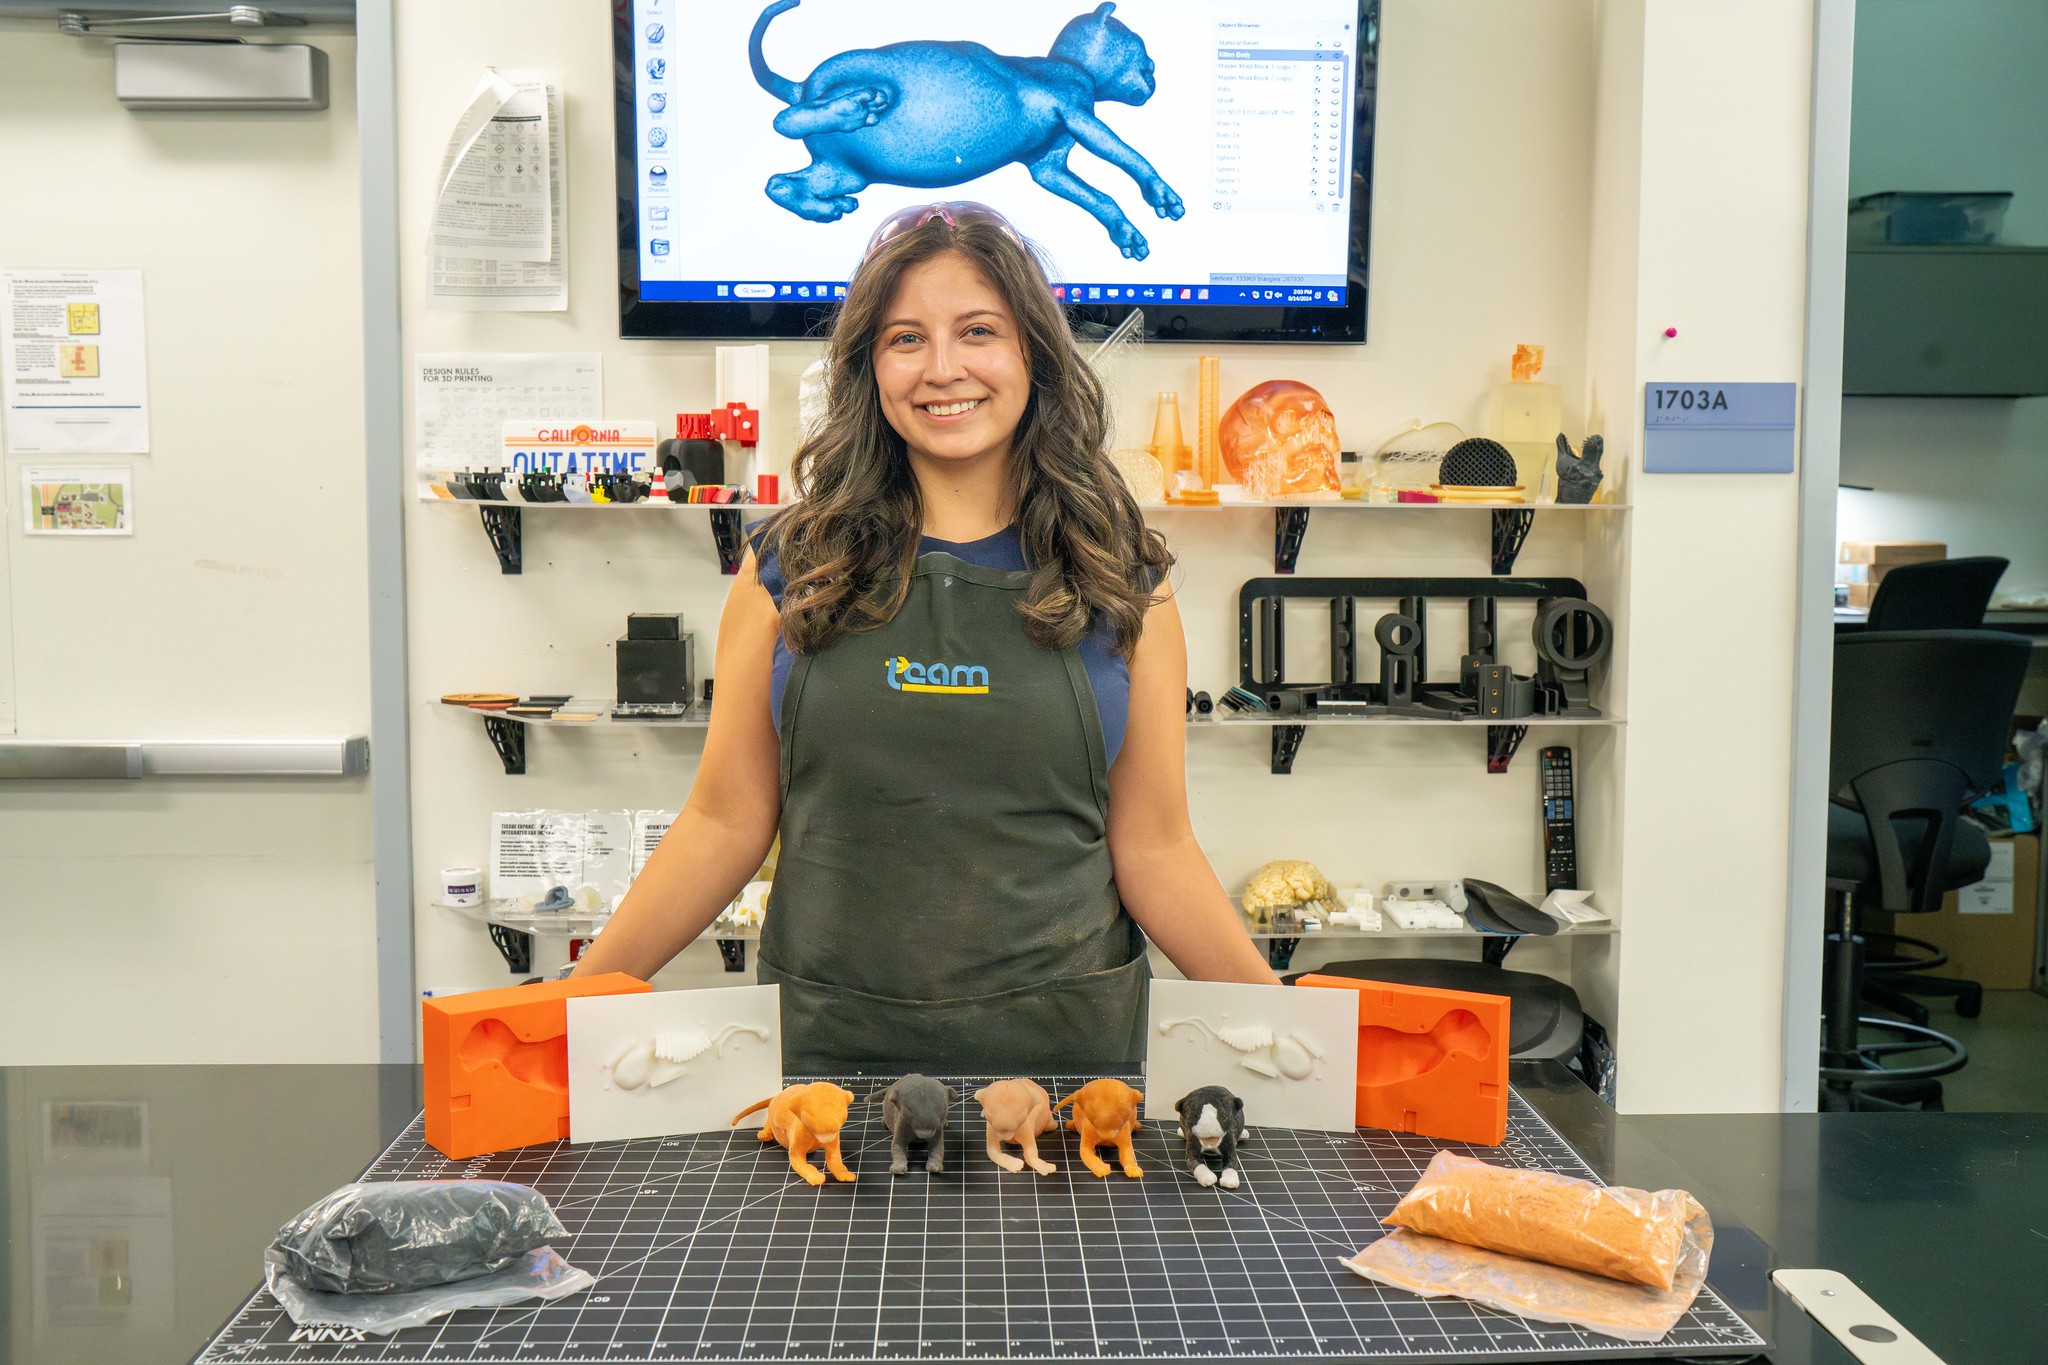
(729, 822)
(1161, 872)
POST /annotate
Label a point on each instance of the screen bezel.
(674, 320)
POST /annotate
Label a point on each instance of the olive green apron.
(943, 900)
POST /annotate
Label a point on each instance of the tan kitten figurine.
(1017, 1111)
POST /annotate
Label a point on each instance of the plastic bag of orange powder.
(1623, 1262)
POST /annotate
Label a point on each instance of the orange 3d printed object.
(497, 1063)
(1280, 441)
(1169, 449)
(1431, 1062)
(803, 1118)
(1017, 1111)
(1105, 1111)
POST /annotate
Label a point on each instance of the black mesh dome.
(1477, 462)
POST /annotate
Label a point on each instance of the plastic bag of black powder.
(386, 1237)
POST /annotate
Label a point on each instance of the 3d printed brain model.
(1280, 440)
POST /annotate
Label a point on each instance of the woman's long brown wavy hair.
(848, 546)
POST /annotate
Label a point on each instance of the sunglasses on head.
(952, 213)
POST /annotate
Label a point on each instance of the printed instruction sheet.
(462, 400)
(499, 241)
(74, 361)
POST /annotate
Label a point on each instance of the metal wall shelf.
(508, 734)
(1511, 521)
(505, 526)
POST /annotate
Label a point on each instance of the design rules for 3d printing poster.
(73, 500)
(73, 360)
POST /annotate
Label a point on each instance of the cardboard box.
(1892, 553)
(1988, 929)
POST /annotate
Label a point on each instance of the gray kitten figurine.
(914, 1110)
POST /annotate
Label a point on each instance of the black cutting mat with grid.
(710, 1248)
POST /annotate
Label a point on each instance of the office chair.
(1919, 731)
(1944, 594)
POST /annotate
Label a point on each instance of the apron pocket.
(1087, 1025)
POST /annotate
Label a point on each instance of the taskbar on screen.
(1194, 295)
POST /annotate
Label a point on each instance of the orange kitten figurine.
(1105, 1111)
(804, 1117)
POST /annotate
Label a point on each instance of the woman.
(952, 678)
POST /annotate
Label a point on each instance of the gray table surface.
(1943, 1218)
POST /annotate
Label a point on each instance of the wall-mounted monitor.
(1208, 161)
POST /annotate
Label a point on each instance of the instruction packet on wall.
(561, 859)
(648, 827)
(74, 362)
(499, 239)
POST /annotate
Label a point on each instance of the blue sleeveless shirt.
(1109, 675)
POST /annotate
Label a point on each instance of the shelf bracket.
(1290, 528)
(502, 529)
(508, 737)
(729, 535)
(1286, 744)
(1510, 528)
(734, 951)
(1501, 743)
(515, 947)
(1280, 952)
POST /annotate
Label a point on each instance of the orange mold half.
(1430, 1062)
(497, 1063)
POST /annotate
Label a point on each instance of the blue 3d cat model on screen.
(1208, 161)
(939, 114)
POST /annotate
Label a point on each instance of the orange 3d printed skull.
(1280, 441)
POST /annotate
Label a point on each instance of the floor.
(2008, 1045)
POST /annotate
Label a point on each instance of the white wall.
(1703, 166)
(185, 921)
(1481, 107)
(1529, 190)
(1953, 94)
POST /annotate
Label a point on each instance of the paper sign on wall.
(74, 361)
(500, 237)
(463, 399)
(76, 500)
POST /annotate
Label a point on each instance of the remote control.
(1560, 825)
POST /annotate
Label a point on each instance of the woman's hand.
(1161, 873)
(726, 828)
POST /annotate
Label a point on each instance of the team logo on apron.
(905, 676)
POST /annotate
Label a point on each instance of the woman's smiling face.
(949, 363)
